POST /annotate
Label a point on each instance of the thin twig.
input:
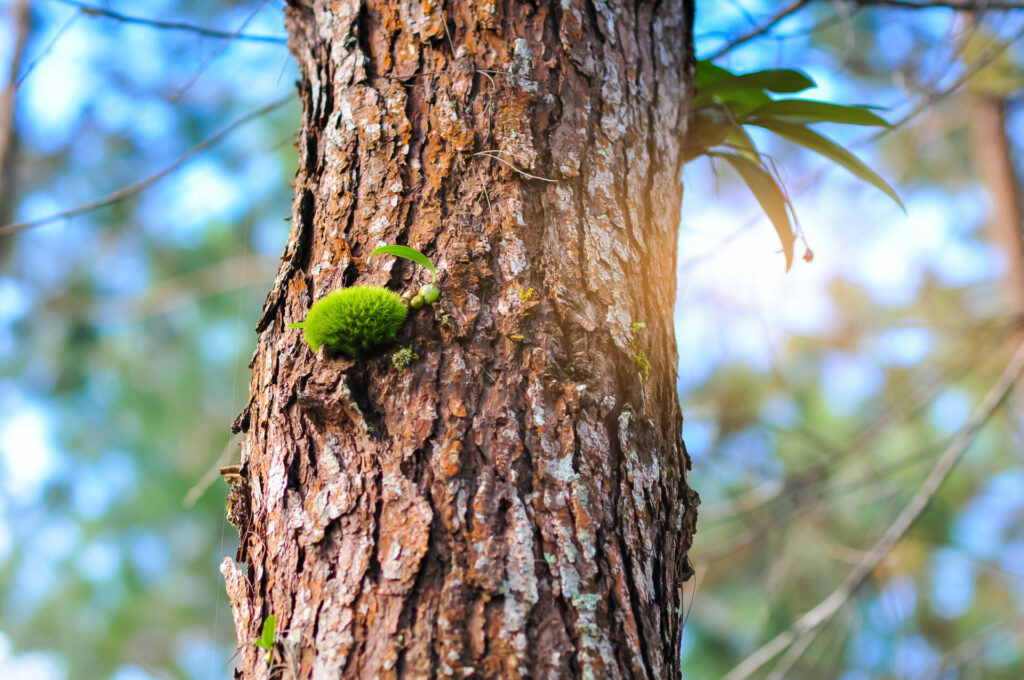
(207, 480)
(132, 189)
(827, 22)
(958, 5)
(781, 671)
(216, 51)
(94, 11)
(46, 49)
(936, 97)
(971, 647)
(21, 19)
(490, 153)
(827, 608)
(792, 8)
(235, 273)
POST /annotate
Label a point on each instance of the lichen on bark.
(514, 502)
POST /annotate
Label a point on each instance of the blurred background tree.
(125, 332)
(819, 401)
(815, 401)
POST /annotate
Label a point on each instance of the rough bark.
(514, 503)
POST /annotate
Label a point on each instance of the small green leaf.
(798, 134)
(812, 111)
(267, 639)
(774, 80)
(708, 73)
(408, 253)
(301, 324)
(769, 195)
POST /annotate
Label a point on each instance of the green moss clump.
(353, 320)
(403, 357)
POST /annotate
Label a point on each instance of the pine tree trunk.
(514, 502)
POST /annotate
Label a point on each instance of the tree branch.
(792, 8)
(46, 50)
(132, 189)
(807, 624)
(94, 11)
(957, 5)
(21, 21)
(221, 46)
(934, 98)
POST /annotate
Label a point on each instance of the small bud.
(407, 295)
(416, 302)
(430, 293)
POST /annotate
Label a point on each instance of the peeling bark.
(514, 503)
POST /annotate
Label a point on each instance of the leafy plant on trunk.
(727, 103)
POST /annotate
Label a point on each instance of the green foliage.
(726, 102)
(353, 320)
(409, 254)
(266, 640)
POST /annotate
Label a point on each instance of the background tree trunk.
(994, 161)
(514, 503)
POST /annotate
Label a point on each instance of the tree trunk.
(514, 502)
(994, 162)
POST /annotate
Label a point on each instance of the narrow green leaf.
(813, 111)
(798, 134)
(741, 102)
(408, 253)
(296, 325)
(738, 139)
(708, 73)
(769, 195)
(268, 632)
(774, 80)
(740, 142)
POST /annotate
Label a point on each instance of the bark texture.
(514, 502)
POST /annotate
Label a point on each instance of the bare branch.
(792, 8)
(221, 46)
(94, 11)
(21, 21)
(807, 624)
(46, 49)
(936, 97)
(972, 646)
(958, 5)
(132, 189)
(492, 153)
(167, 296)
(211, 475)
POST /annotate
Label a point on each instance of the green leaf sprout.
(409, 254)
(266, 640)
